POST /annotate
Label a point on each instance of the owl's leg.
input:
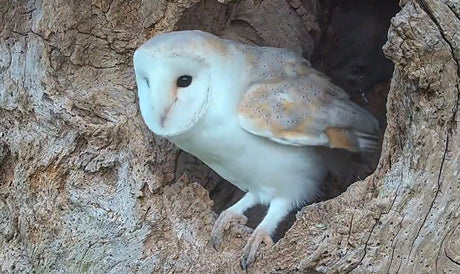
(232, 214)
(278, 209)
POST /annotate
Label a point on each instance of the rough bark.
(85, 187)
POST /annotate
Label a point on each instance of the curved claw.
(250, 250)
(223, 223)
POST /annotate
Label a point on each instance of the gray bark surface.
(85, 187)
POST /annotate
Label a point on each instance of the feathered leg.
(278, 209)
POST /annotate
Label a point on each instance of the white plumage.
(258, 116)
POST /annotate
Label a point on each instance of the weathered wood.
(85, 187)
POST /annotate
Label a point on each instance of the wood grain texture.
(85, 187)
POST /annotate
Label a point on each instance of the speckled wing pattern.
(303, 108)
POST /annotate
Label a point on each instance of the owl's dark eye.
(184, 81)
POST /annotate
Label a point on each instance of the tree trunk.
(85, 187)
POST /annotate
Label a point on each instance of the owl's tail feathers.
(365, 127)
(367, 142)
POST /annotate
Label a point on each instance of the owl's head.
(173, 75)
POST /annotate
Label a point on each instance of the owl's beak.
(164, 116)
(162, 103)
(172, 96)
(162, 100)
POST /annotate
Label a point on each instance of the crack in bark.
(93, 35)
(349, 231)
(452, 48)
(39, 35)
(93, 66)
(453, 11)
(373, 228)
(400, 226)
(19, 33)
(366, 244)
(394, 247)
(449, 234)
(451, 259)
(449, 132)
(90, 245)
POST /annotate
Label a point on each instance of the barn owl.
(261, 117)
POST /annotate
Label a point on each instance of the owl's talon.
(223, 223)
(250, 250)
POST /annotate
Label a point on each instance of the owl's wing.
(307, 110)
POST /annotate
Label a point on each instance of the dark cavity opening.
(347, 47)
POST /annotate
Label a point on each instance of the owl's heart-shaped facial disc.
(173, 88)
